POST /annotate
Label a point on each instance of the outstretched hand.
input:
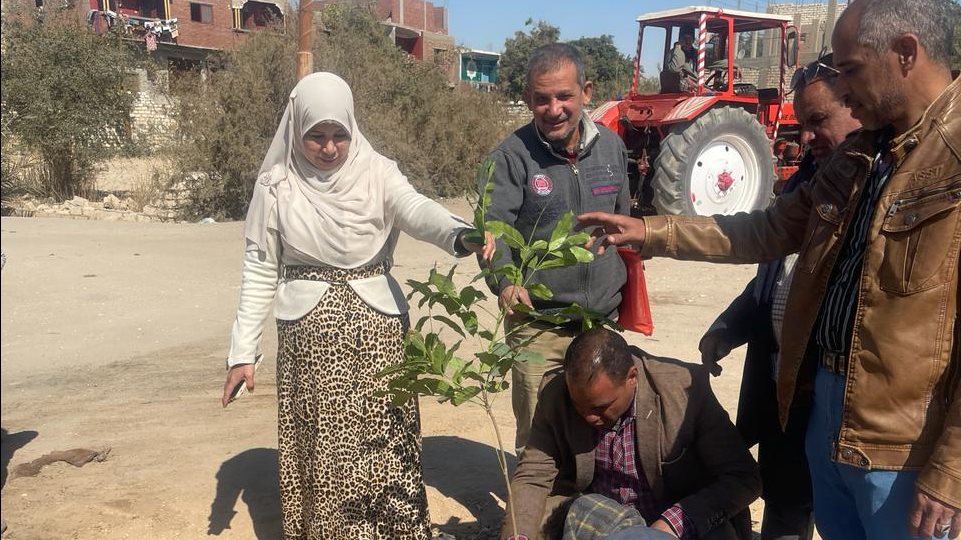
(486, 251)
(612, 230)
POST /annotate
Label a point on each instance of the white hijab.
(337, 218)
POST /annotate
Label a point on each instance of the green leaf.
(444, 284)
(437, 354)
(400, 398)
(561, 231)
(450, 303)
(578, 239)
(490, 173)
(511, 272)
(529, 357)
(453, 326)
(474, 376)
(505, 365)
(420, 323)
(541, 291)
(419, 286)
(465, 394)
(501, 349)
(495, 387)
(552, 318)
(581, 254)
(557, 262)
(474, 236)
(522, 308)
(488, 358)
(469, 295)
(456, 364)
(526, 254)
(482, 275)
(416, 341)
(484, 202)
(469, 318)
(436, 386)
(539, 245)
(511, 236)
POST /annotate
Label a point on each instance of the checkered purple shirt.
(619, 475)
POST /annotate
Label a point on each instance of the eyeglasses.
(814, 71)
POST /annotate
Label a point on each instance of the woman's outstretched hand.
(612, 230)
(486, 251)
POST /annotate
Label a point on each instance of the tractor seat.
(767, 94)
(676, 83)
(670, 82)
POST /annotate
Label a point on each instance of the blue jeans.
(852, 503)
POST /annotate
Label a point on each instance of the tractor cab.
(715, 51)
(717, 132)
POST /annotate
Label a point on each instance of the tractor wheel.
(721, 163)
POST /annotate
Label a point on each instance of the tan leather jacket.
(902, 405)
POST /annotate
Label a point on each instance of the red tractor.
(710, 142)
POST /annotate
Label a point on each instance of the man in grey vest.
(560, 162)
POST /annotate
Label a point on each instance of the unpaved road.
(114, 335)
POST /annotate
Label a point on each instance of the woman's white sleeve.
(421, 217)
(258, 287)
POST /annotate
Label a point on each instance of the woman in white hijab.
(321, 230)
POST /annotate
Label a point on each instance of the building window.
(202, 13)
(256, 15)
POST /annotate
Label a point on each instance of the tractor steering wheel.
(718, 78)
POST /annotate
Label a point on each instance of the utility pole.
(305, 41)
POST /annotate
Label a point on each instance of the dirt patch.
(133, 360)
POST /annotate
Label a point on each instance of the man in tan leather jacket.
(871, 335)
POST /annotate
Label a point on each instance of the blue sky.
(485, 24)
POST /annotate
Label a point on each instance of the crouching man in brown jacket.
(642, 431)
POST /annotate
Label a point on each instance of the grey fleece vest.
(534, 186)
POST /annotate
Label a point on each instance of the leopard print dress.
(350, 461)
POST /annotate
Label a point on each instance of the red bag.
(634, 312)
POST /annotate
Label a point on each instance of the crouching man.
(644, 439)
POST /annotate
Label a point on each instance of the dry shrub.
(437, 134)
(146, 190)
(406, 108)
(24, 176)
(63, 97)
(226, 123)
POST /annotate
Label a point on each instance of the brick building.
(758, 53)
(815, 23)
(416, 26)
(168, 25)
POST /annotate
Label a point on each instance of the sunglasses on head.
(812, 72)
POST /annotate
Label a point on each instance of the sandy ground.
(114, 336)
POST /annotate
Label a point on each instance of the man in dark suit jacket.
(646, 432)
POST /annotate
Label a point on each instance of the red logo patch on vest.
(542, 184)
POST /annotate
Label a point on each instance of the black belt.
(834, 362)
